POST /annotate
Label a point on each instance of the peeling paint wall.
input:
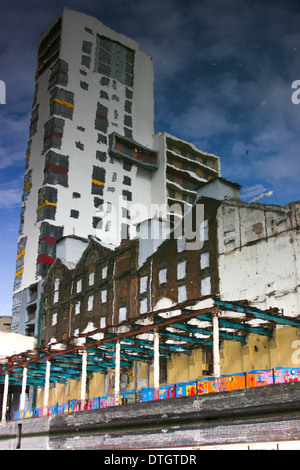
(259, 255)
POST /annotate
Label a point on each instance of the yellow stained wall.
(259, 352)
(96, 385)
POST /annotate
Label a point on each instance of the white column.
(47, 386)
(5, 395)
(117, 372)
(23, 393)
(83, 378)
(156, 365)
(216, 351)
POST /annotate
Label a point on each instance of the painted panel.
(232, 382)
(166, 391)
(207, 385)
(258, 378)
(130, 397)
(286, 374)
(108, 401)
(186, 389)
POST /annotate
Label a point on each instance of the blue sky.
(223, 80)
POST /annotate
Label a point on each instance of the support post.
(117, 372)
(47, 386)
(23, 393)
(5, 395)
(216, 351)
(156, 365)
(83, 378)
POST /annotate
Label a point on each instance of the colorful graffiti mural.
(286, 374)
(205, 385)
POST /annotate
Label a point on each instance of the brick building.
(106, 288)
(110, 285)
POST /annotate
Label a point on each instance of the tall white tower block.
(92, 158)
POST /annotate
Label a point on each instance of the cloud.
(10, 197)
(14, 133)
(251, 192)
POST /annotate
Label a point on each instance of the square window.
(205, 286)
(54, 319)
(104, 272)
(171, 193)
(127, 166)
(204, 230)
(125, 213)
(127, 195)
(127, 180)
(56, 290)
(98, 202)
(122, 314)
(182, 296)
(74, 214)
(143, 305)
(91, 279)
(86, 61)
(104, 296)
(79, 286)
(87, 47)
(84, 85)
(162, 275)
(204, 260)
(102, 322)
(124, 232)
(90, 303)
(101, 156)
(77, 308)
(97, 222)
(143, 284)
(181, 269)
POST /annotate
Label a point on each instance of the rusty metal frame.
(176, 335)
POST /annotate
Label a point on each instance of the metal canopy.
(181, 328)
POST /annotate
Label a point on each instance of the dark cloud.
(223, 76)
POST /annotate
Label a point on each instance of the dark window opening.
(127, 180)
(74, 213)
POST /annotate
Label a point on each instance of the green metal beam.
(226, 323)
(124, 355)
(186, 338)
(259, 314)
(133, 340)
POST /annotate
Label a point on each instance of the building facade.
(111, 285)
(92, 156)
(239, 259)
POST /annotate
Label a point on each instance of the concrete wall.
(263, 414)
(259, 255)
(13, 343)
